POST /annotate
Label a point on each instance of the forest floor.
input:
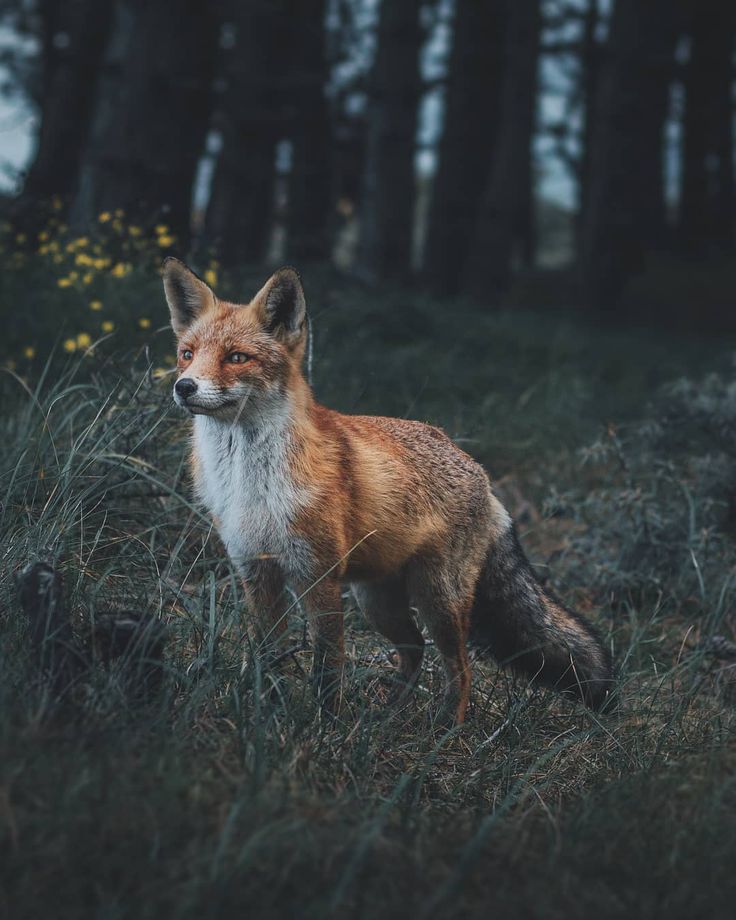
(215, 798)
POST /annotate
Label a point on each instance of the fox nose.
(185, 387)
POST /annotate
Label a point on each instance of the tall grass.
(225, 794)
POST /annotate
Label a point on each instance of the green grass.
(218, 798)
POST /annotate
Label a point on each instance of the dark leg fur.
(386, 606)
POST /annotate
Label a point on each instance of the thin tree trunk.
(503, 228)
(625, 214)
(465, 151)
(707, 210)
(389, 189)
(238, 220)
(590, 61)
(151, 115)
(310, 177)
(74, 37)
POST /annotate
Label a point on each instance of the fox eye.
(237, 357)
(187, 354)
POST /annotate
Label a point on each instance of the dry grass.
(223, 794)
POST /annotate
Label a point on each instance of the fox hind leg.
(444, 601)
(385, 605)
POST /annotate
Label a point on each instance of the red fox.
(309, 498)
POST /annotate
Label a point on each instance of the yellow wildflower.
(43, 236)
(83, 259)
(95, 304)
(105, 217)
(119, 212)
(210, 276)
(64, 282)
(161, 229)
(120, 270)
(144, 322)
(165, 241)
(107, 325)
(134, 231)
(29, 352)
(160, 372)
(42, 250)
(69, 345)
(84, 340)
(88, 278)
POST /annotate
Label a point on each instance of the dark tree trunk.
(625, 214)
(707, 210)
(504, 228)
(310, 177)
(151, 114)
(74, 37)
(590, 61)
(238, 220)
(389, 189)
(472, 107)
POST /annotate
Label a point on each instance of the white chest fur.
(245, 481)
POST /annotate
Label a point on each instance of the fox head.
(236, 361)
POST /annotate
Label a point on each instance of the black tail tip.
(597, 694)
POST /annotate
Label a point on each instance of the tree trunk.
(625, 213)
(504, 226)
(590, 61)
(707, 210)
(389, 185)
(238, 220)
(472, 108)
(74, 36)
(310, 177)
(151, 114)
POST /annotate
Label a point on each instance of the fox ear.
(187, 295)
(281, 307)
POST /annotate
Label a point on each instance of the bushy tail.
(528, 629)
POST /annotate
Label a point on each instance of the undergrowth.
(224, 794)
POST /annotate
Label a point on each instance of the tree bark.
(238, 220)
(74, 36)
(625, 211)
(590, 62)
(472, 108)
(707, 208)
(504, 228)
(310, 177)
(389, 185)
(151, 114)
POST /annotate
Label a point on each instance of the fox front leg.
(323, 604)
(268, 603)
